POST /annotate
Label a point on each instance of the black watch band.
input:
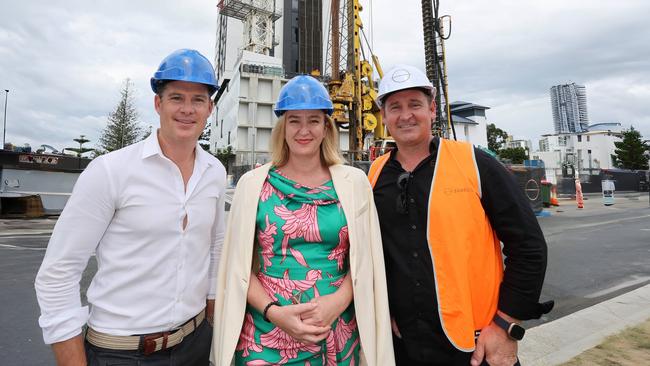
(514, 330)
(267, 307)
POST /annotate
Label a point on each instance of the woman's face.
(304, 132)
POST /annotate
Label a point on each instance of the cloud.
(507, 54)
(65, 64)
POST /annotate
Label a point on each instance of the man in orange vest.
(444, 209)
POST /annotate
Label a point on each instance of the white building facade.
(470, 123)
(586, 152)
(244, 116)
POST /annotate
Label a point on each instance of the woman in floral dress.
(300, 300)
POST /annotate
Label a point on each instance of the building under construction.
(263, 43)
(260, 45)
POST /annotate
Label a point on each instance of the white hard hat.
(402, 77)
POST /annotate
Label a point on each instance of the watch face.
(517, 332)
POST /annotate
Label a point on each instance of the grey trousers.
(193, 351)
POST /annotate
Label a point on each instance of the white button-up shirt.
(152, 274)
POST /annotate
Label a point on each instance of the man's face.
(408, 115)
(184, 109)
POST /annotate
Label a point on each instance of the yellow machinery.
(353, 91)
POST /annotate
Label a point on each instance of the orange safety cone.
(554, 200)
(579, 198)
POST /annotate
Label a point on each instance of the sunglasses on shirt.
(403, 181)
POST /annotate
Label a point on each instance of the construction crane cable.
(367, 43)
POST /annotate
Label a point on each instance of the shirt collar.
(433, 147)
(152, 147)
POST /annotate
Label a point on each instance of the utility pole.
(4, 128)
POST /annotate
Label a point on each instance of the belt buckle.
(149, 342)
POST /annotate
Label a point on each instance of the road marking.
(15, 247)
(609, 222)
(45, 236)
(637, 280)
(26, 233)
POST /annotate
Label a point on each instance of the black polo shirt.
(409, 270)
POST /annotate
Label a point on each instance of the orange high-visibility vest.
(465, 251)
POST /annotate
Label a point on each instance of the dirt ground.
(628, 348)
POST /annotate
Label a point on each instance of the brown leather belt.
(148, 343)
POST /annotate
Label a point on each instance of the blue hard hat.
(186, 65)
(303, 92)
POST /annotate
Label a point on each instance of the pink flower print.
(343, 332)
(297, 255)
(265, 239)
(341, 250)
(338, 282)
(288, 347)
(267, 191)
(324, 202)
(260, 363)
(285, 286)
(247, 337)
(318, 189)
(329, 357)
(302, 222)
(350, 353)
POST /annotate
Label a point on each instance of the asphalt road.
(22, 246)
(594, 254)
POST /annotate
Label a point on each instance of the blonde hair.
(329, 148)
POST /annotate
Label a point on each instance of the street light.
(4, 128)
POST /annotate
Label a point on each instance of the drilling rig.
(351, 84)
(436, 30)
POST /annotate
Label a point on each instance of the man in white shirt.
(153, 214)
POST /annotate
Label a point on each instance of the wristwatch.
(514, 330)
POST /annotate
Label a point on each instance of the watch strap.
(502, 323)
(513, 330)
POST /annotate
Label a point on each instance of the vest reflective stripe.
(467, 264)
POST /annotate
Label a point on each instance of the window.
(579, 138)
(587, 138)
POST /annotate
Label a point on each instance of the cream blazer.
(366, 266)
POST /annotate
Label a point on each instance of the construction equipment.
(436, 64)
(353, 89)
(351, 84)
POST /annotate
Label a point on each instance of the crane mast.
(352, 90)
(436, 67)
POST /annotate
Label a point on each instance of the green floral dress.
(302, 241)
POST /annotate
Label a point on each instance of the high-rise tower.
(569, 105)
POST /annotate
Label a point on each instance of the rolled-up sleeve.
(74, 239)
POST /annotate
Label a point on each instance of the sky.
(64, 65)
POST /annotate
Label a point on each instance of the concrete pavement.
(560, 340)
